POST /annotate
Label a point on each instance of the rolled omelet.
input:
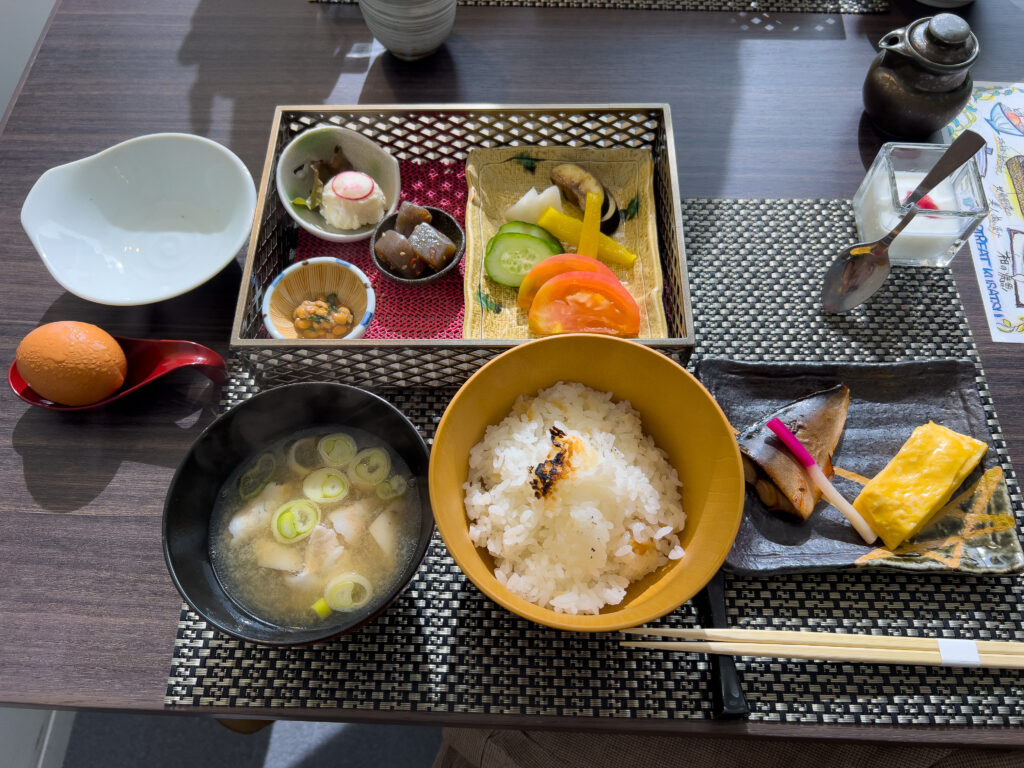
(918, 481)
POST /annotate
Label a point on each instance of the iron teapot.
(920, 79)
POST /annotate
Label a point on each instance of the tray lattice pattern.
(443, 647)
(751, 6)
(431, 136)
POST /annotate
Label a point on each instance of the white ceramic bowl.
(295, 176)
(310, 278)
(142, 221)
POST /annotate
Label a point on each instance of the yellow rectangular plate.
(498, 177)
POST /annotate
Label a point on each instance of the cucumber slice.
(525, 228)
(510, 255)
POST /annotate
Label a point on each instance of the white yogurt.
(929, 240)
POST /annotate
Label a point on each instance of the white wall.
(21, 21)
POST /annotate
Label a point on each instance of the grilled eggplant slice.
(781, 483)
(575, 181)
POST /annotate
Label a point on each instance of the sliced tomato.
(584, 302)
(556, 265)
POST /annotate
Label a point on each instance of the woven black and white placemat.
(735, 6)
(755, 269)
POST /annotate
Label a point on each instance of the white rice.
(615, 517)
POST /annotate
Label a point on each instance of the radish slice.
(530, 206)
(524, 206)
(549, 198)
(352, 185)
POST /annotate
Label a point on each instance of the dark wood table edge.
(995, 738)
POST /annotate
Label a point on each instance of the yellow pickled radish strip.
(321, 608)
(568, 228)
(294, 521)
(591, 225)
(348, 592)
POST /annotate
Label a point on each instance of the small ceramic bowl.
(143, 221)
(295, 176)
(675, 410)
(440, 220)
(240, 434)
(412, 29)
(320, 276)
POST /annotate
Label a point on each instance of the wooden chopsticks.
(868, 649)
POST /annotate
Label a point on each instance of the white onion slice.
(352, 185)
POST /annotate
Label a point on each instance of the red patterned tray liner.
(433, 311)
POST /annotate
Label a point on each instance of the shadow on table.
(154, 425)
(434, 78)
(223, 50)
(163, 741)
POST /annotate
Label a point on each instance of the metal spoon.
(148, 360)
(859, 272)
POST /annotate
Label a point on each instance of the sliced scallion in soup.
(319, 523)
(337, 449)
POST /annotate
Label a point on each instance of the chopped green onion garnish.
(392, 488)
(256, 478)
(369, 467)
(295, 521)
(303, 456)
(337, 449)
(321, 608)
(348, 592)
(326, 486)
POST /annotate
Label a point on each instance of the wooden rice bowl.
(675, 409)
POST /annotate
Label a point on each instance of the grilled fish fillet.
(781, 483)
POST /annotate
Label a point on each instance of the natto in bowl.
(306, 280)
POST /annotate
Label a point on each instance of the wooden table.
(87, 611)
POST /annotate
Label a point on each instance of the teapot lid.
(944, 39)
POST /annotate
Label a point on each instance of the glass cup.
(933, 237)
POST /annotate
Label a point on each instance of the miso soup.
(319, 524)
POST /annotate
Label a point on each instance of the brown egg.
(71, 363)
